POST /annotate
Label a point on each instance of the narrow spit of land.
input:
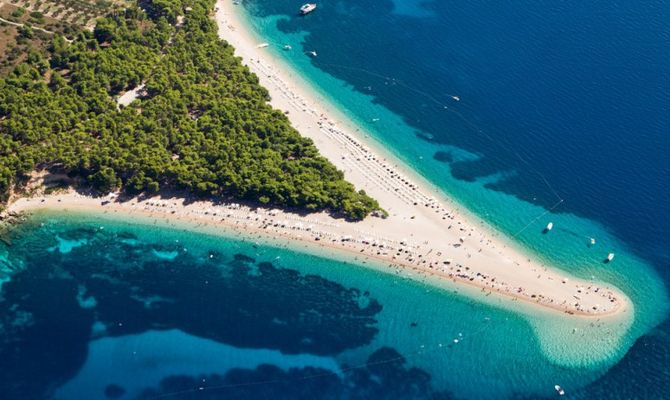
(424, 231)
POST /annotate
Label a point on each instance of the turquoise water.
(559, 101)
(507, 152)
(112, 314)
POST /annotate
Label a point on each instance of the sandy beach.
(424, 232)
(324, 234)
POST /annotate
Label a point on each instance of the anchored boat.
(559, 390)
(307, 8)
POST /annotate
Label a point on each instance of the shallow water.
(114, 318)
(560, 117)
(558, 101)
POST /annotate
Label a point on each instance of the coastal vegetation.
(197, 119)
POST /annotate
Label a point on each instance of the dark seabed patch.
(117, 283)
(443, 156)
(113, 391)
(384, 376)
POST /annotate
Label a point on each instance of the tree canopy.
(203, 123)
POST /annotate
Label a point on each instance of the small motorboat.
(559, 390)
(592, 242)
(307, 8)
(549, 227)
(456, 98)
(312, 53)
(287, 47)
(609, 258)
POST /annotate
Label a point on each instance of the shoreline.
(405, 194)
(276, 226)
(433, 237)
(225, 14)
(338, 118)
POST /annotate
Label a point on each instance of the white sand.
(323, 233)
(130, 96)
(429, 236)
(416, 217)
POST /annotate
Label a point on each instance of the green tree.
(105, 180)
(202, 124)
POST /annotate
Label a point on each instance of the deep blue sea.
(525, 112)
(558, 100)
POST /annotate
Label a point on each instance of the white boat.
(287, 47)
(307, 8)
(610, 257)
(456, 98)
(559, 390)
(262, 45)
(592, 242)
(549, 227)
(312, 53)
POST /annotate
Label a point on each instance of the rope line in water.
(536, 218)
